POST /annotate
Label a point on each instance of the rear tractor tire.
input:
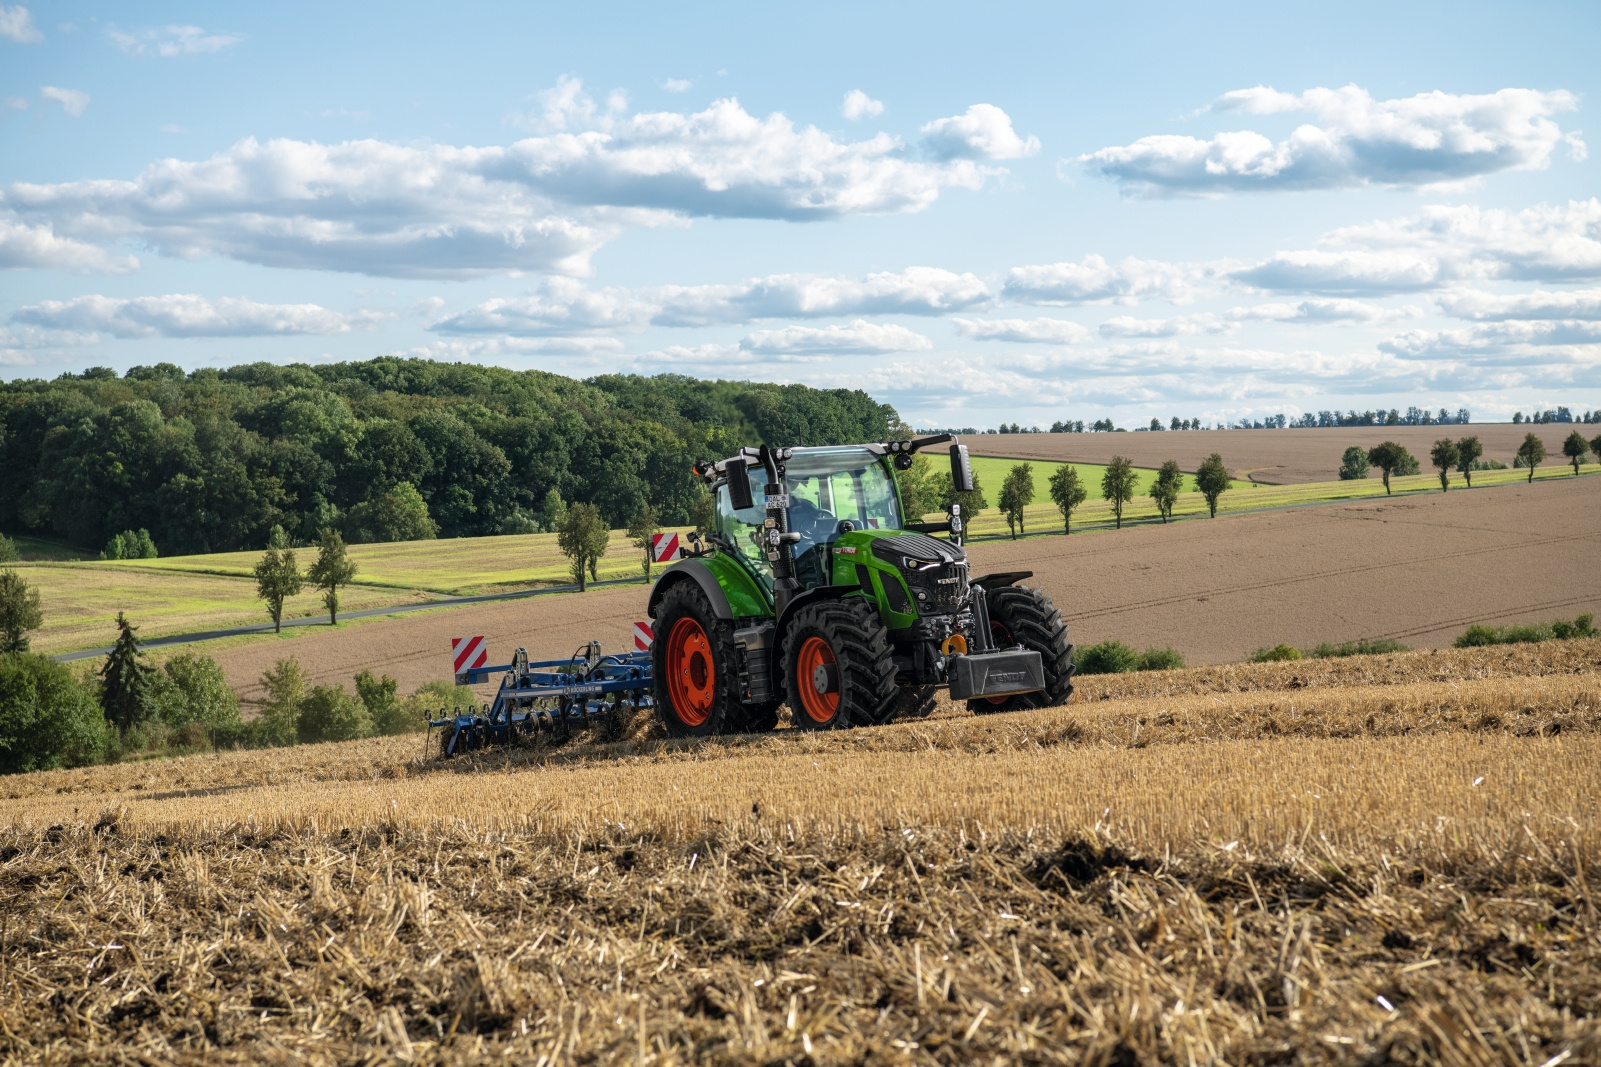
(838, 668)
(1023, 616)
(692, 661)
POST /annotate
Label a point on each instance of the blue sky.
(979, 215)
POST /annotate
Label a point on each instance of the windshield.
(826, 487)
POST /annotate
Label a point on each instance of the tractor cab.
(831, 491)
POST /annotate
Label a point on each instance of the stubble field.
(1385, 860)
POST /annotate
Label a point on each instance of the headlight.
(912, 563)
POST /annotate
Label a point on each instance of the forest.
(211, 460)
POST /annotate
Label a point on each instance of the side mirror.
(961, 469)
(739, 489)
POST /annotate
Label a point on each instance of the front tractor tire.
(838, 668)
(692, 661)
(1023, 616)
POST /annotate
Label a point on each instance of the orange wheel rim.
(691, 677)
(818, 677)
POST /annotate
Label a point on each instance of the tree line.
(386, 449)
(1464, 455)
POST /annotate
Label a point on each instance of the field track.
(1419, 568)
(1275, 457)
(1388, 859)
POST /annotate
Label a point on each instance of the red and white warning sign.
(469, 653)
(643, 636)
(663, 547)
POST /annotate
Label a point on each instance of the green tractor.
(815, 589)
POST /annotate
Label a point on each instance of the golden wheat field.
(1382, 859)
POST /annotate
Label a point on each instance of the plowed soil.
(1273, 457)
(1419, 569)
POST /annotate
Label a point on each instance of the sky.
(978, 214)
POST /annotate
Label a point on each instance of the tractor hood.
(896, 548)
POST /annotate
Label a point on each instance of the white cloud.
(913, 291)
(1488, 307)
(16, 103)
(187, 315)
(39, 247)
(173, 41)
(17, 24)
(543, 203)
(564, 307)
(1027, 331)
(1426, 139)
(1181, 326)
(859, 105)
(1095, 281)
(678, 85)
(1440, 246)
(984, 131)
(861, 337)
(72, 101)
(1512, 343)
(461, 350)
(1321, 310)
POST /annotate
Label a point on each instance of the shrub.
(131, 544)
(1108, 657)
(47, 717)
(8, 550)
(1479, 635)
(329, 713)
(1114, 657)
(191, 690)
(1376, 646)
(1161, 659)
(389, 714)
(432, 696)
(1276, 654)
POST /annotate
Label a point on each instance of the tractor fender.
(811, 596)
(691, 570)
(995, 581)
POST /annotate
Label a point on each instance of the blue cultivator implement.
(554, 697)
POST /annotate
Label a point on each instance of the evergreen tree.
(1068, 491)
(126, 691)
(1167, 487)
(332, 569)
(1212, 480)
(1468, 451)
(1117, 486)
(277, 579)
(19, 611)
(583, 538)
(1445, 454)
(1531, 452)
(645, 525)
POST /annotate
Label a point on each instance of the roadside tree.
(1017, 492)
(1445, 454)
(19, 611)
(1389, 457)
(1575, 448)
(1117, 486)
(277, 579)
(1212, 480)
(126, 690)
(1354, 464)
(582, 538)
(1068, 491)
(332, 569)
(1595, 445)
(1167, 487)
(1531, 452)
(647, 523)
(1468, 451)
